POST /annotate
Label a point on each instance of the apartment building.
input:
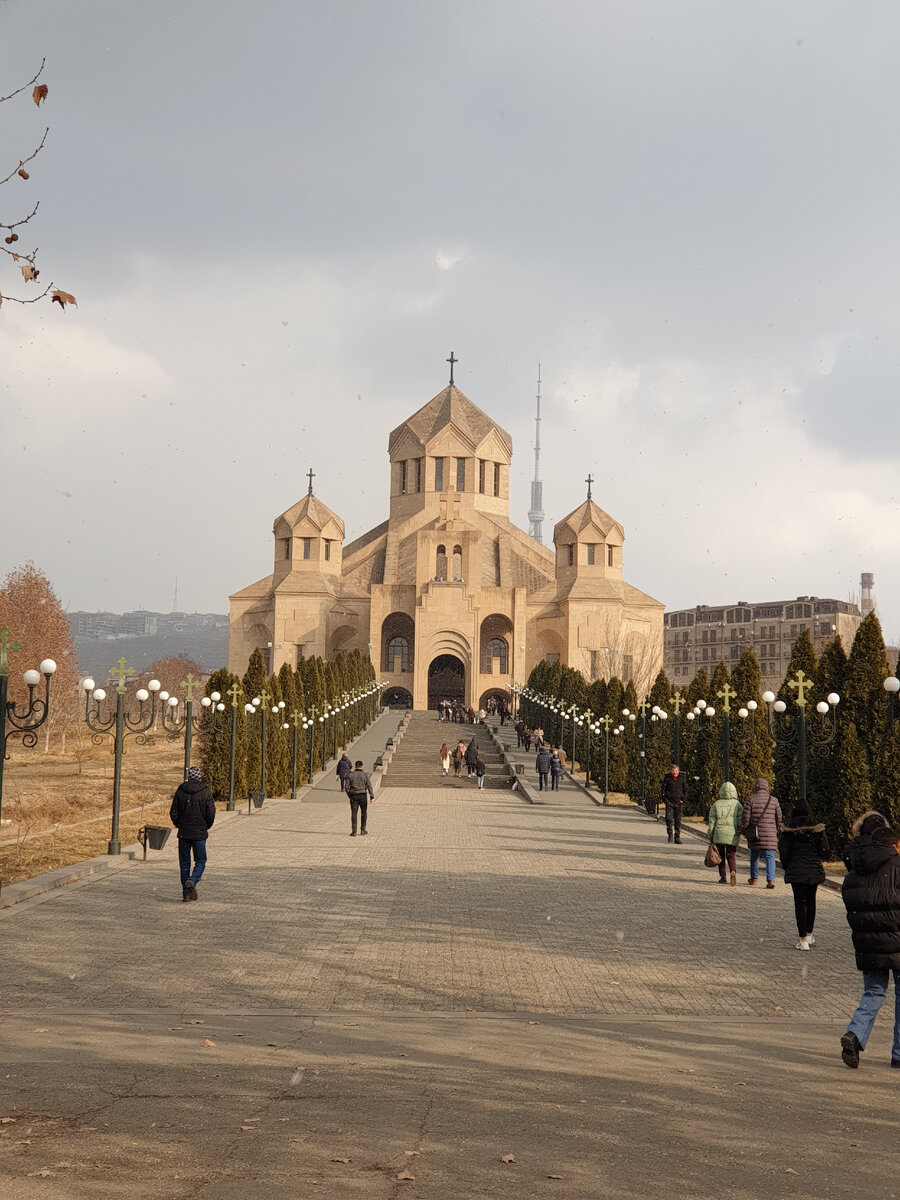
(704, 636)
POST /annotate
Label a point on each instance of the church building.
(448, 597)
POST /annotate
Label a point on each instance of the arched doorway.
(396, 697)
(500, 696)
(446, 680)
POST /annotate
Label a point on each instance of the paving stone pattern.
(457, 901)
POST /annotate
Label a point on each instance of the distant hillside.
(208, 647)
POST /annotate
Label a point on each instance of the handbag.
(753, 830)
(713, 857)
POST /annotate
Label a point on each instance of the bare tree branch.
(23, 161)
(25, 85)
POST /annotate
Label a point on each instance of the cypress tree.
(696, 745)
(751, 746)
(852, 796)
(618, 751)
(254, 683)
(803, 657)
(659, 736)
(632, 742)
(864, 700)
(825, 799)
(215, 740)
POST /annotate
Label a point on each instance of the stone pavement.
(478, 977)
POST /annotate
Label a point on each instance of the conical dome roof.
(585, 516)
(449, 407)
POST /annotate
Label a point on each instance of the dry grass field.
(57, 808)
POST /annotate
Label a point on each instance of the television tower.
(536, 513)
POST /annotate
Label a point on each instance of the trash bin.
(258, 797)
(153, 837)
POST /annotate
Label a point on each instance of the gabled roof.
(450, 407)
(312, 510)
(586, 515)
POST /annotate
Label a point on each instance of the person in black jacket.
(871, 893)
(192, 813)
(672, 794)
(542, 766)
(802, 846)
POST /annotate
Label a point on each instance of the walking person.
(760, 824)
(359, 791)
(192, 813)
(725, 818)
(471, 756)
(344, 767)
(542, 766)
(445, 758)
(672, 793)
(871, 893)
(520, 733)
(480, 771)
(802, 846)
(459, 755)
(555, 770)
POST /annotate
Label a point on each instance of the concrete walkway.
(477, 978)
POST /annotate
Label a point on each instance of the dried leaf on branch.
(40, 94)
(29, 272)
(62, 298)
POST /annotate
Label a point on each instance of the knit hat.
(194, 774)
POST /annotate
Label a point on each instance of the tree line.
(858, 768)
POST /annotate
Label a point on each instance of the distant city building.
(703, 636)
(141, 623)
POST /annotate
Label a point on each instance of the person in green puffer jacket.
(725, 829)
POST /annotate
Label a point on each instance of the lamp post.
(797, 736)
(298, 721)
(12, 722)
(188, 724)
(234, 692)
(606, 723)
(311, 726)
(259, 707)
(677, 702)
(123, 723)
(585, 721)
(657, 715)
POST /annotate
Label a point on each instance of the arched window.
(457, 563)
(496, 648)
(398, 647)
(440, 568)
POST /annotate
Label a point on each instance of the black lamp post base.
(115, 847)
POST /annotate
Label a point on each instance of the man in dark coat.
(542, 766)
(192, 813)
(761, 822)
(520, 733)
(802, 846)
(471, 757)
(344, 767)
(359, 792)
(672, 793)
(871, 892)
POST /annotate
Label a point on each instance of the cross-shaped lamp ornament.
(795, 733)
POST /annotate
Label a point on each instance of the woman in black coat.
(871, 893)
(802, 846)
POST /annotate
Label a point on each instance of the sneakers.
(811, 938)
(752, 882)
(850, 1049)
(190, 891)
(725, 881)
(734, 879)
(364, 832)
(770, 886)
(803, 944)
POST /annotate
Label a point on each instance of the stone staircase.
(416, 761)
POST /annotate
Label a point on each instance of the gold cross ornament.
(121, 671)
(6, 644)
(801, 685)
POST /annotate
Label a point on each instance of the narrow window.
(590, 557)
(403, 478)
(609, 556)
(457, 564)
(328, 549)
(307, 547)
(460, 474)
(440, 568)
(438, 474)
(299, 649)
(418, 474)
(286, 548)
(496, 479)
(571, 554)
(398, 648)
(496, 648)
(481, 466)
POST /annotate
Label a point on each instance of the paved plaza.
(478, 977)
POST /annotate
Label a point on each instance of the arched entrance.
(500, 696)
(446, 680)
(396, 697)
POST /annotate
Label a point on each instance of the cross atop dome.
(451, 360)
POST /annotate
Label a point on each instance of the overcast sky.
(279, 219)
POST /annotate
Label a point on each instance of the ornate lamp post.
(188, 724)
(310, 724)
(123, 723)
(797, 736)
(12, 722)
(234, 692)
(299, 722)
(258, 707)
(677, 702)
(657, 715)
(606, 724)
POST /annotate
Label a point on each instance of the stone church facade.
(449, 598)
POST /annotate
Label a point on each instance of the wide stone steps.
(416, 762)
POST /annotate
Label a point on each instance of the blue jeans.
(755, 852)
(185, 846)
(874, 990)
